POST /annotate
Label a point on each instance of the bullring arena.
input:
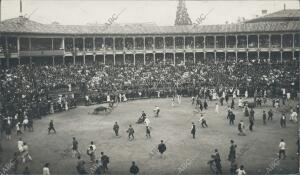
(86, 92)
(257, 150)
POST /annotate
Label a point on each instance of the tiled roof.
(24, 25)
(282, 15)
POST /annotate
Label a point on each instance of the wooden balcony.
(42, 53)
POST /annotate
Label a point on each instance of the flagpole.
(0, 9)
(21, 8)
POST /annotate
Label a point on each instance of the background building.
(273, 37)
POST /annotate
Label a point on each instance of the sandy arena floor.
(256, 151)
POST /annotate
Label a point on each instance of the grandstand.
(273, 37)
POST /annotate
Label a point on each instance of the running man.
(156, 111)
(51, 127)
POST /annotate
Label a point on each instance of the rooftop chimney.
(264, 12)
(284, 6)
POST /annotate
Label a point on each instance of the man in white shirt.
(217, 108)
(26, 152)
(19, 132)
(282, 147)
(241, 171)
(156, 111)
(293, 116)
(46, 170)
(87, 100)
(93, 145)
(20, 145)
(147, 122)
(203, 121)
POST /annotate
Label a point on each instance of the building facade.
(274, 37)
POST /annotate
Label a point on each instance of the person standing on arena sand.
(233, 168)
(251, 119)
(30, 124)
(246, 94)
(246, 111)
(226, 98)
(148, 132)
(104, 161)
(193, 100)
(124, 98)
(66, 104)
(277, 103)
(116, 128)
(241, 128)
(156, 111)
(205, 104)
(201, 106)
(283, 121)
(93, 145)
(173, 101)
(234, 94)
(293, 116)
(120, 98)
(221, 100)
(240, 103)
(193, 130)
(282, 147)
(51, 108)
(26, 153)
(20, 145)
(18, 125)
(217, 108)
(264, 117)
(51, 127)
(46, 170)
(179, 98)
(98, 168)
(87, 100)
(217, 159)
(270, 115)
(161, 148)
(232, 103)
(232, 151)
(25, 122)
(147, 122)
(91, 152)
(130, 132)
(75, 147)
(241, 171)
(134, 169)
(231, 118)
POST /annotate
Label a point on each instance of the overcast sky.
(160, 12)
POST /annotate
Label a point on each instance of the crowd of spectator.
(37, 89)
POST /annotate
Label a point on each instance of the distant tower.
(182, 16)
